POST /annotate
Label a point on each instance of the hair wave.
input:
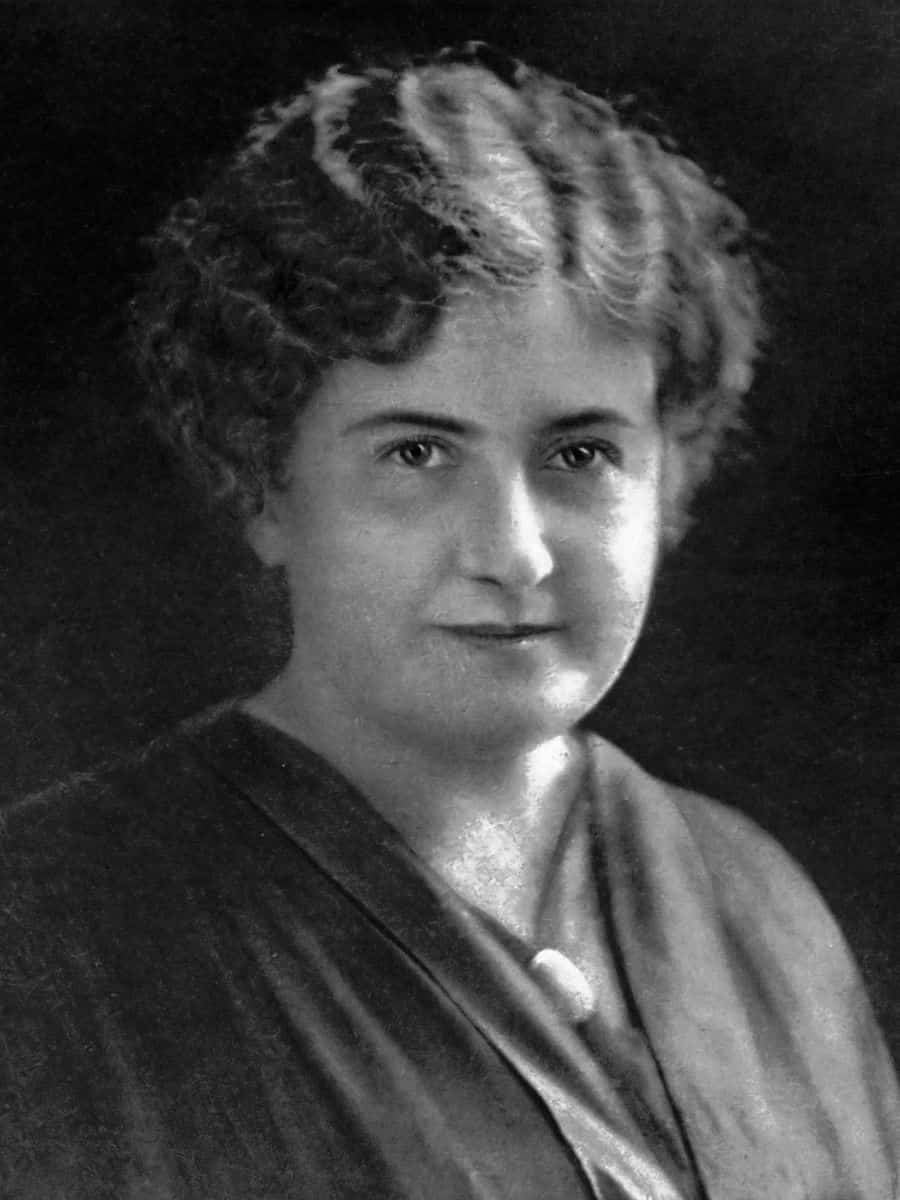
(352, 213)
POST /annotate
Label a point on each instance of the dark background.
(767, 676)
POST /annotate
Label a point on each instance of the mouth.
(502, 633)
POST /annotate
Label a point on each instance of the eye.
(585, 455)
(418, 453)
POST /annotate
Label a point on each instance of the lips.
(501, 632)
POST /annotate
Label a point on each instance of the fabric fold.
(745, 991)
(355, 847)
(749, 997)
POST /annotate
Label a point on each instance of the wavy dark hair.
(354, 211)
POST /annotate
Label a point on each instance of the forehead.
(504, 358)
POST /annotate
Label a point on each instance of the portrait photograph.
(449, 640)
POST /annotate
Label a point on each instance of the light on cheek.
(634, 545)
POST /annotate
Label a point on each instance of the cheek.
(615, 557)
(633, 541)
(364, 578)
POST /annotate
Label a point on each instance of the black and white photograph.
(449, 507)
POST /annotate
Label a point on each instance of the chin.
(501, 727)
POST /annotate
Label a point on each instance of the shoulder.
(126, 880)
(761, 895)
(132, 826)
(748, 865)
(98, 802)
(713, 913)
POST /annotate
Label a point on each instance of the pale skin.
(470, 541)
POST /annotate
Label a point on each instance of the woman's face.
(470, 539)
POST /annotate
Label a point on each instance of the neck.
(487, 820)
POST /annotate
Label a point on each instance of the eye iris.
(579, 456)
(415, 454)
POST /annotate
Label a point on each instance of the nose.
(503, 540)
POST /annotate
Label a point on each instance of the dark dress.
(224, 975)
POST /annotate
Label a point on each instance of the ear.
(265, 532)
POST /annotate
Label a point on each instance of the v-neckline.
(607, 1123)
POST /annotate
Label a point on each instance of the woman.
(458, 346)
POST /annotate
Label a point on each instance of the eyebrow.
(403, 416)
(589, 416)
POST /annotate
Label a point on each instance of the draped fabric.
(224, 975)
